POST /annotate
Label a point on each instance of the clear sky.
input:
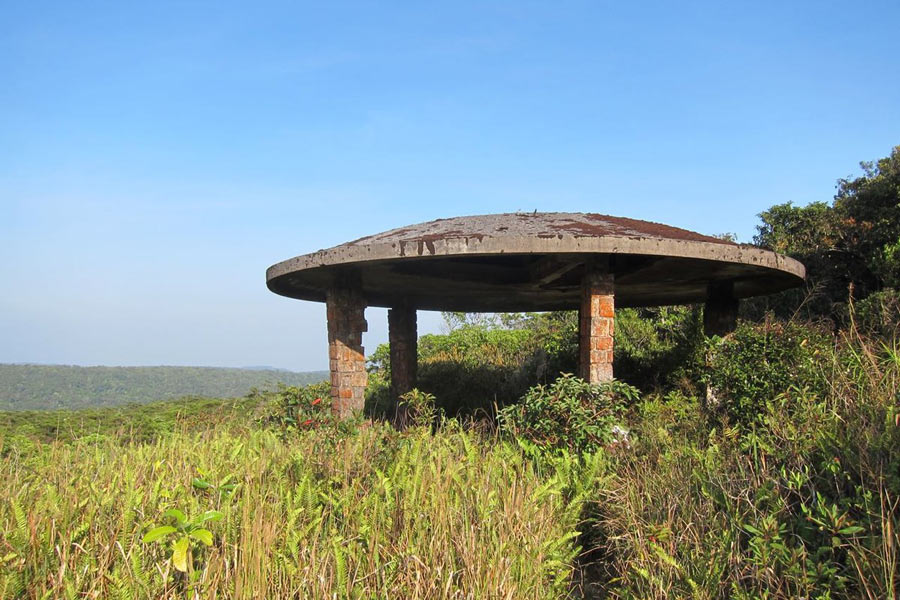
(156, 157)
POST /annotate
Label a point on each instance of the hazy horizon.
(143, 366)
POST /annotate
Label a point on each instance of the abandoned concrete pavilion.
(520, 262)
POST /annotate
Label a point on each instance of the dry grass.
(374, 514)
(803, 504)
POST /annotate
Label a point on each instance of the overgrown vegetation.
(796, 499)
(569, 414)
(759, 362)
(483, 363)
(801, 501)
(765, 464)
(320, 513)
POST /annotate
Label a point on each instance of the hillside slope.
(40, 387)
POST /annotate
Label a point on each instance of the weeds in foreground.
(797, 497)
(375, 513)
(799, 501)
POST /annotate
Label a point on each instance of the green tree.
(868, 209)
(854, 240)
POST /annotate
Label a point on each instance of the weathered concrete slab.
(533, 261)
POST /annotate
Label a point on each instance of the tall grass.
(800, 503)
(797, 498)
(374, 514)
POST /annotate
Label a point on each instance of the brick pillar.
(403, 340)
(596, 326)
(721, 309)
(346, 355)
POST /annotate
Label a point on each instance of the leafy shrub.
(474, 367)
(184, 533)
(483, 362)
(568, 414)
(802, 502)
(879, 314)
(300, 407)
(657, 347)
(760, 361)
(418, 408)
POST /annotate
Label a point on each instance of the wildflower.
(307, 422)
(316, 401)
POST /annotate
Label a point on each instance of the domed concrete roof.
(533, 261)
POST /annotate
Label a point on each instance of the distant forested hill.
(36, 387)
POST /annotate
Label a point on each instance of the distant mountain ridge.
(46, 387)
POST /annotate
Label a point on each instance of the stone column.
(402, 336)
(721, 309)
(596, 326)
(346, 355)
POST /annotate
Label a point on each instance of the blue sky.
(155, 158)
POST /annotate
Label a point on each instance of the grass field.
(374, 513)
(795, 495)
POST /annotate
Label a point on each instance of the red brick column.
(402, 336)
(346, 355)
(596, 327)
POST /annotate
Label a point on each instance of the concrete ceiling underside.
(517, 283)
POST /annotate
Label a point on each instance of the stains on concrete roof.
(535, 224)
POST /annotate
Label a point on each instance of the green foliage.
(758, 362)
(485, 361)
(137, 423)
(300, 407)
(855, 240)
(51, 387)
(568, 414)
(474, 367)
(807, 231)
(419, 408)
(371, 513)
(659, 347)
(491, 361)
(223, 488)
(184, 535)
(802, 502)
(879, 314)
(869, 210)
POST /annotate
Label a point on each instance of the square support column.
(402, 336)
(596, 326)
(346, 356)
(721, 309)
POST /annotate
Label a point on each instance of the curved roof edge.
(349, 254)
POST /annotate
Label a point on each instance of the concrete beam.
(596, 326)
(345, 308)
(551, 268)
